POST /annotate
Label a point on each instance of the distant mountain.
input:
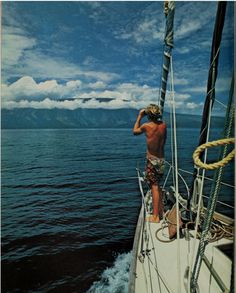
(86, 118)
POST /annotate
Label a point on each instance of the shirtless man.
(155, 131)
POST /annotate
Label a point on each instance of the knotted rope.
(215, 165)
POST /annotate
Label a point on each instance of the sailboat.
(191, 249)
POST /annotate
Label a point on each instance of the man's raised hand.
(142, 112)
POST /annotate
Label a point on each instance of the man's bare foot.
(153, 219)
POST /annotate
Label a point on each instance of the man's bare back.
(155, 138)
(155, 135)
(155, 131)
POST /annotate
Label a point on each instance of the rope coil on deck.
(215, 165)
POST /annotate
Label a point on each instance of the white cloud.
(44, 104)
(222, 85)
(151, 25)
(192, 105)
(196, 89)
(205, 44)
(74, 84)
(147, 27)
(14, 44)
(182, 50)
(107, 94)
(184, 30)
(27, 88)
(69, 104)
(41, 66)
(97, 85)
(145, 32)
(21, 56)
(25, 93)
(138, 92)
(186, 25)
(49, 86)
(180, 81)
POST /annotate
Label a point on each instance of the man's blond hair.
(153, 112)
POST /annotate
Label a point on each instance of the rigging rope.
(208, 217)
(216, 165)
(220, 103)
(179, 288)
(199, 198)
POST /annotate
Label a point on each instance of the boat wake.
(114, 279)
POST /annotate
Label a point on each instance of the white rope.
(167, 176)
(179, 286)
(171, 142)
(200, 198)
(196, 189)
(222, 104)
(164, 282)
(182, 178)
(213, 61)
(142, 193)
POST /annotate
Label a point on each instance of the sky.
(71, 55)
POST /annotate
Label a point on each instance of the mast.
(169, 10)
(212, 75)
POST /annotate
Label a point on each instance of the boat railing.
(207, 178)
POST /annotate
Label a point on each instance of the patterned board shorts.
(154, 170)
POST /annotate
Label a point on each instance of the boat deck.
(156, 270)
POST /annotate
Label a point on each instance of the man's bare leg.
(156, 200)
(161, 207)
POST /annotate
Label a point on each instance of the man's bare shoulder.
(146, 125)
(161, 124)
(164, 124)
(150, 125)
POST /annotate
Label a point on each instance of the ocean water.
(70, 202)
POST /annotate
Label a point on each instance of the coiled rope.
(218, 164)
(217, 230)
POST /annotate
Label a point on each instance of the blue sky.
(109, 54)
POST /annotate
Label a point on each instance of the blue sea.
(70, 202)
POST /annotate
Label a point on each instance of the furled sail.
(168, 45)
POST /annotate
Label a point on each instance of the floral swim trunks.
(154, 169)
